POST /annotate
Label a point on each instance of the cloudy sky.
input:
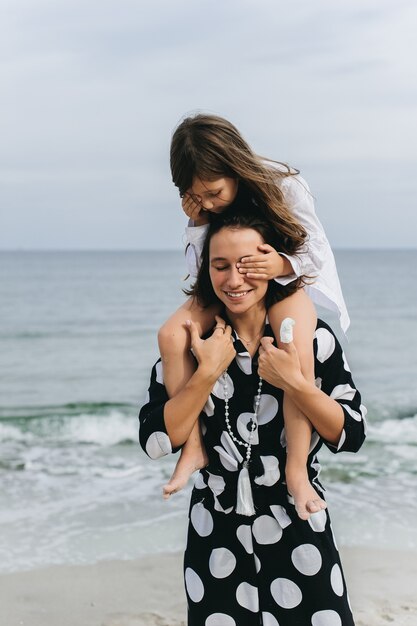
(92, 89)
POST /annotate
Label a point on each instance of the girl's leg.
(297, 426)
(178, 366)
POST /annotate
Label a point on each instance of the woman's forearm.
(182, 411)
(325, 414)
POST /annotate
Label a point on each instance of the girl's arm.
(194, 241)
(195, 232)
(308, 261)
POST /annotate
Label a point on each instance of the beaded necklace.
(244, 505)
(254, 421)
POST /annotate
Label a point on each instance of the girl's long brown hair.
(210, 147)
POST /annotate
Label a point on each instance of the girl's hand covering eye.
(265, 266)
(191, 206)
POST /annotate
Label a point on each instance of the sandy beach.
(149, 591)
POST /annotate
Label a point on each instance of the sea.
(77, 342)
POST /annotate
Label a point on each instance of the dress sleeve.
(335, 379)
(194, 241)
(311, 258)
(153, 436)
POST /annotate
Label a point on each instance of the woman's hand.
(264, 266)
(216, 353)
(280, 366)
(191, 205)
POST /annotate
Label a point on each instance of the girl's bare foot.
(187, 465)
(306, 498)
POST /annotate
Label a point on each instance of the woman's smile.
(237, 295)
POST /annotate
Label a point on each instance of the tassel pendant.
(244, 504)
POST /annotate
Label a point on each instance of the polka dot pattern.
(199, 481)
(286, 593)
(318, 521)
(216, 483)
(306, 559)
(159, 373)
(209, 407)
(218, 389)
(247, 596)
(218, 507)
(325, 344)
(280, 515)
(229, 556)
(266, 530)
(219, 619)
(336, 580)
(244, 426)
(355, 414)
(244, 534)
(244, 361)
(228, 462)
(268, 619)
(157, 445)
(194, 585)
(343, 392)
(201, 520)
(222, 562)
(268, 409)
(271, 471)
(230, 446)
(315, 438)
(326, 618)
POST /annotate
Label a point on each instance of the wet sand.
(149, 591)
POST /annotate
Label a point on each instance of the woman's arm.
(174, 418)
(335, 410)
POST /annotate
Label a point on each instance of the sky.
(91, 91)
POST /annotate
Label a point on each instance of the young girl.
(215, 170)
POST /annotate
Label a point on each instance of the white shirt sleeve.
(316, 259)
(310, 259)
(194, 241)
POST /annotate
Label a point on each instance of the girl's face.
(214, 195)
(235, 290)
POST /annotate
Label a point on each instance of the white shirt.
(316, 258)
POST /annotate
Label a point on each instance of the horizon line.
(335, 248)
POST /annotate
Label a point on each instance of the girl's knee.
(173, 338)
(298, 306)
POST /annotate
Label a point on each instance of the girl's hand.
(216, 353)
(191, 205)
(265, 266)
(279, 366)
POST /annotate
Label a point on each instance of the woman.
(268, 567)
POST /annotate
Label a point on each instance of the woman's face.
(214, 195)
(235, 290)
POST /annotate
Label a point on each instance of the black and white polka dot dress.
(271, 569)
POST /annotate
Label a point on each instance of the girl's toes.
(313, 506)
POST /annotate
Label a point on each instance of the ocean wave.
(108, 429)
(11, 413)
(394, 431)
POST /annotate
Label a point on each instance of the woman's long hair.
(202, 290)
(210, 147)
